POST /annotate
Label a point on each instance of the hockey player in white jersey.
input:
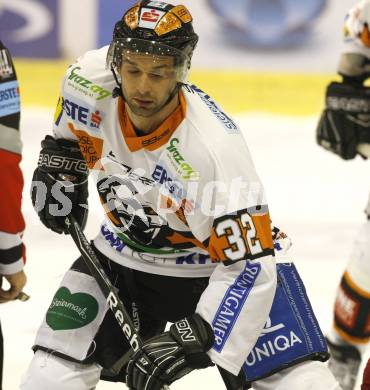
(187, 236)
(344, 129)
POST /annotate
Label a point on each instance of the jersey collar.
(159, 136)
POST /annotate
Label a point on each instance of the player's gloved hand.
(59, 184)
(169, 356)
(344, 127)
(16, 281)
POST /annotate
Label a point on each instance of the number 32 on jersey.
(241, 236)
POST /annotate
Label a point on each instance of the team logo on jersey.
(118, 195)
(71, 311)
(139, 225)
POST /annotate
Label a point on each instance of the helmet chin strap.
(172, 94)
(117, 91)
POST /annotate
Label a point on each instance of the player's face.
(147, 82)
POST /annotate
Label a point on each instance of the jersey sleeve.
(11, 220)
(232, 220)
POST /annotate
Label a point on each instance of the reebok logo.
(130, 333)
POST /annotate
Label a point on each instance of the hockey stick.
(108, 290)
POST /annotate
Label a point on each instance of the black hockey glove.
(345, 122)
(59, 184)
(169, 356)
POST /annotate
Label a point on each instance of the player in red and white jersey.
(187, 236)
(344, 129)
(11, 219)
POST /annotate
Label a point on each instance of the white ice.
(314, 196)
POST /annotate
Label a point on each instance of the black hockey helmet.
(155, 28)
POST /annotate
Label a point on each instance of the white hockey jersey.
(182, 201)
